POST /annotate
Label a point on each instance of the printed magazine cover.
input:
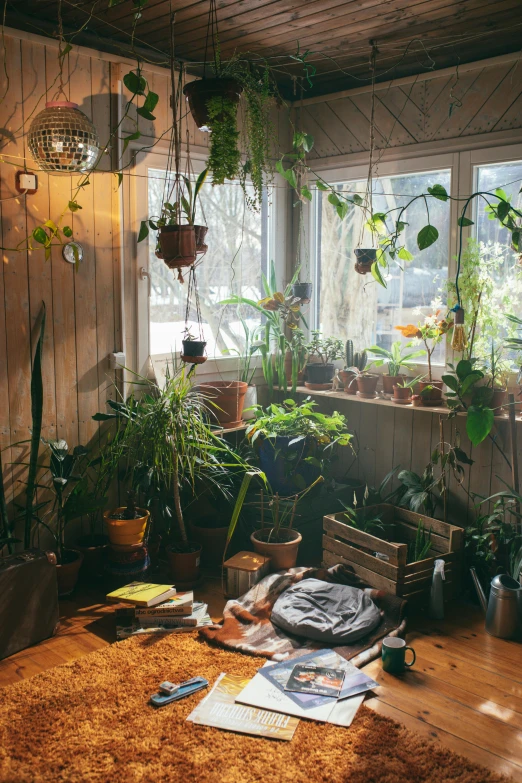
(318, 680)
(220, 710)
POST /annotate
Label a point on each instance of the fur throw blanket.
(247, 628)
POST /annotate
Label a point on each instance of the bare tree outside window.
(233, 265)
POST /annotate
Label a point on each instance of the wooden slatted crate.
(344, 543)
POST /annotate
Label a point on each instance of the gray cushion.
(330, 613)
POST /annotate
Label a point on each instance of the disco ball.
(62, 138)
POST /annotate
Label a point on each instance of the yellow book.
(141, 594)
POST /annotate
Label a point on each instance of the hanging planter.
(199, 93)
(193, 351)
(302, 291)
(201, 233)
(62, 138)
(178, 245)
(365, 257)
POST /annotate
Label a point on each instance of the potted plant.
(364, 259)
(246, 370)
(431, 332)
(396, 358)
(226, 400)
(293, 442)
(403, 390)
(168, 448)
(295, 359)
(327, 350)
(65, 472)
(496, 371)
(302, 291)
(355, 364)
(193, 350)
(128, 524)
(367, 384)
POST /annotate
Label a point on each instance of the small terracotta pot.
(93, 549)
(435, 397)
(126, 531)
(348, 379)
(185, 566)
(283, 555)
(212, 541)
(364, 259)
(288, 370)
(401, 394)
(367, 384)
(389, 382)
(417, 401)
(498, 400)
(178, 245)
(228, 401)
(67, 574)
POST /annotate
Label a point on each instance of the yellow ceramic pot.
(126, 531)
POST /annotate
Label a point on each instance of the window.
(353, 306)
(497, 257)
(233, 264)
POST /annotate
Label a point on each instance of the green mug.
(394, 655)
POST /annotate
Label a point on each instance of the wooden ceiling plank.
(342, 137)
(498, 102)
(478, 92)
(511, 118)
(394, 133)
(438, 112)
(323, 143)
(355, 122)
(405, 111)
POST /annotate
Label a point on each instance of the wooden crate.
(343, 543)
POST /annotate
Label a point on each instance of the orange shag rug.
(89, 721)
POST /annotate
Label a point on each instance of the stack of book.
(156, 609)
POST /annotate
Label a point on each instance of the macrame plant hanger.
(193, 295)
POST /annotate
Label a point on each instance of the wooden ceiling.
(412, 35)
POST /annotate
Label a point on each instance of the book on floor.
(199, 611)
(142, 594)
(220, 710)
(127, 625)
(179, 604)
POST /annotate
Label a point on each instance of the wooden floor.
(465, 689)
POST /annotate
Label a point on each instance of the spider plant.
(421, 544)
(395, 359)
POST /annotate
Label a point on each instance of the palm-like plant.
(394, 359)
(168, 445)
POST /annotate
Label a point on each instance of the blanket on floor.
(246, 625)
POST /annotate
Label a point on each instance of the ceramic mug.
(394, 655)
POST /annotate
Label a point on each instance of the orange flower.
(409, 330)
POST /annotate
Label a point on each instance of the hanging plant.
(224, 158)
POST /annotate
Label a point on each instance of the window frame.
(462, 160)
(225, 367)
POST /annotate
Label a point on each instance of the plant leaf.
(479, 422)
(427, 236)
(438, 191)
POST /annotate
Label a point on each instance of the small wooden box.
(243, 571)
(343, 543)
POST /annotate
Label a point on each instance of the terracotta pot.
(199, 92)
(348, 379)
(93, 549)
(367, 384)
(250, 399)
(417, 401)
(435, 395)
(364, 259)
(401, 394)
(185, 566)
(302, 291)
(317, 372)
(228, 401)
(288, 370)
(498, 400)
(126, 531)
(212, 541)
(389, 382)
(67, 574)
(178, 245)
(201, 233)
(283, 555)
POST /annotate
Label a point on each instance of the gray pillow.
(325, 612)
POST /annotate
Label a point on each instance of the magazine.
(219, 709)
(355, 681)
(319, 680)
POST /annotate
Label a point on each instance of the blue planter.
(281, 472)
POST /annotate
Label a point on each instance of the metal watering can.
(504, 608)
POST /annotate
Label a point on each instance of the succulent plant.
(348, 353)
(359, 360)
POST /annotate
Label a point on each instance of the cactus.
(348, 353)
(359, 360)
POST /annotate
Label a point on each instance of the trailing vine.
(224, 158)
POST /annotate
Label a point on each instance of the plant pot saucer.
(366, 396)
(192, 359)
(231, 424)
(318, 386)
(401, 402)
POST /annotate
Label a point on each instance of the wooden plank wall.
(477, 101)
(83, 309)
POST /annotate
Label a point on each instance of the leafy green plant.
(396, 358)
(410, 383)
(299, 421)
(299, 353)
(367, 523)
(515, 343)
(431, 331)
(224, 157)
(420, 546)
(466, 394)
(327, 349)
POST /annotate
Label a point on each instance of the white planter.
(250, 399)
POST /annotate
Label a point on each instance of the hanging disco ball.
(62, 138)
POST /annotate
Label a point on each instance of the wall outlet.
(25, 182)
(117, 360)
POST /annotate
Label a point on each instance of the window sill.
(383, 402)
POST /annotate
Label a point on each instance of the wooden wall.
(480, 99)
